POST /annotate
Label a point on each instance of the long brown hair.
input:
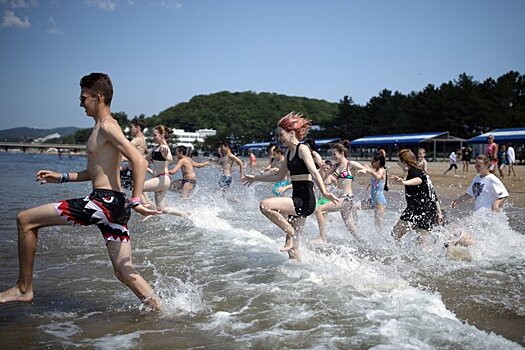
(408, 157)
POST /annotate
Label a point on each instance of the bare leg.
(320, 213)
(186, 190)
(272, 209)
(349, 218)
(28, 223)
(400, 229)
(160, 199)
(379, 215)
(298, 224)
(120, 255)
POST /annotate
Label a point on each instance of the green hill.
(246, 116)
(28, 134)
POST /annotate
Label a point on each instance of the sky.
(162, 52)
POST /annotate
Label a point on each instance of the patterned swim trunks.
(107, 209)
(225, 181)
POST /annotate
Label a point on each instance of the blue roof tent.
(399, 139)
(407, 140)
(501, 136)
(319, 142)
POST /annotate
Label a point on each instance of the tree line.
(464, 107)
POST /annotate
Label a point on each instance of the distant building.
(186, 138)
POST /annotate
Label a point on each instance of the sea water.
(225, 285)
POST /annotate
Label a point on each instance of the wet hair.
(164, 131)
(139, 123)
(484, 159)
(98, 83)
(408, 157)
(342, 147)
(295, 122)
(380, 157)
(182, 149)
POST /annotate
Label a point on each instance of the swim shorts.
(225, 181)
(107, 209)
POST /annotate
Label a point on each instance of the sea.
(225, 284)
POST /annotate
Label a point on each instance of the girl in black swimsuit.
(292, 128)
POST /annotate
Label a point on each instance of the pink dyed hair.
(295, 122)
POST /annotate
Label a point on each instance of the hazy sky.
(162, 52)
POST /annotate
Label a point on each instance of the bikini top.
(296, 165)
(345, 174)
(156, 154)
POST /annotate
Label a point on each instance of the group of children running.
(303, 167)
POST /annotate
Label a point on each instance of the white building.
(185, 138)
(188, 139)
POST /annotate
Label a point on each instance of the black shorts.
(107, 209)
(303, 197)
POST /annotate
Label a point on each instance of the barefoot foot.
(14, 294)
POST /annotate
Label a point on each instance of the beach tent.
(264, 145)
(516, 135)
(404, 140)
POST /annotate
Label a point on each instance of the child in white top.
(453, 159)
(486, 188)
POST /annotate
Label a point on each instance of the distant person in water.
(226, 161)
(492, 153)
(421, 161)
(160, 157)
(298, 160)
(139, 141)
(187, 166)
(106, 207)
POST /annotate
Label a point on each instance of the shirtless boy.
(105, 147)
(227, 160)
(187, 166)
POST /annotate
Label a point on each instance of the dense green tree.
(464, 107)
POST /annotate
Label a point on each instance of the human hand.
(248, 179)
(397, 179)
(142, 210)
(45, 176)
(331, 198)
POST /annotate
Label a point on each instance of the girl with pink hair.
(292, 128)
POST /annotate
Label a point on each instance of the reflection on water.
(226, 285)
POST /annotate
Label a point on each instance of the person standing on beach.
(492, 153)
(466, 156)
(298, 160)
(511, 158)
(106, 207)
(423, 210)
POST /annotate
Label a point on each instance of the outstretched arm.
(459, 200)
